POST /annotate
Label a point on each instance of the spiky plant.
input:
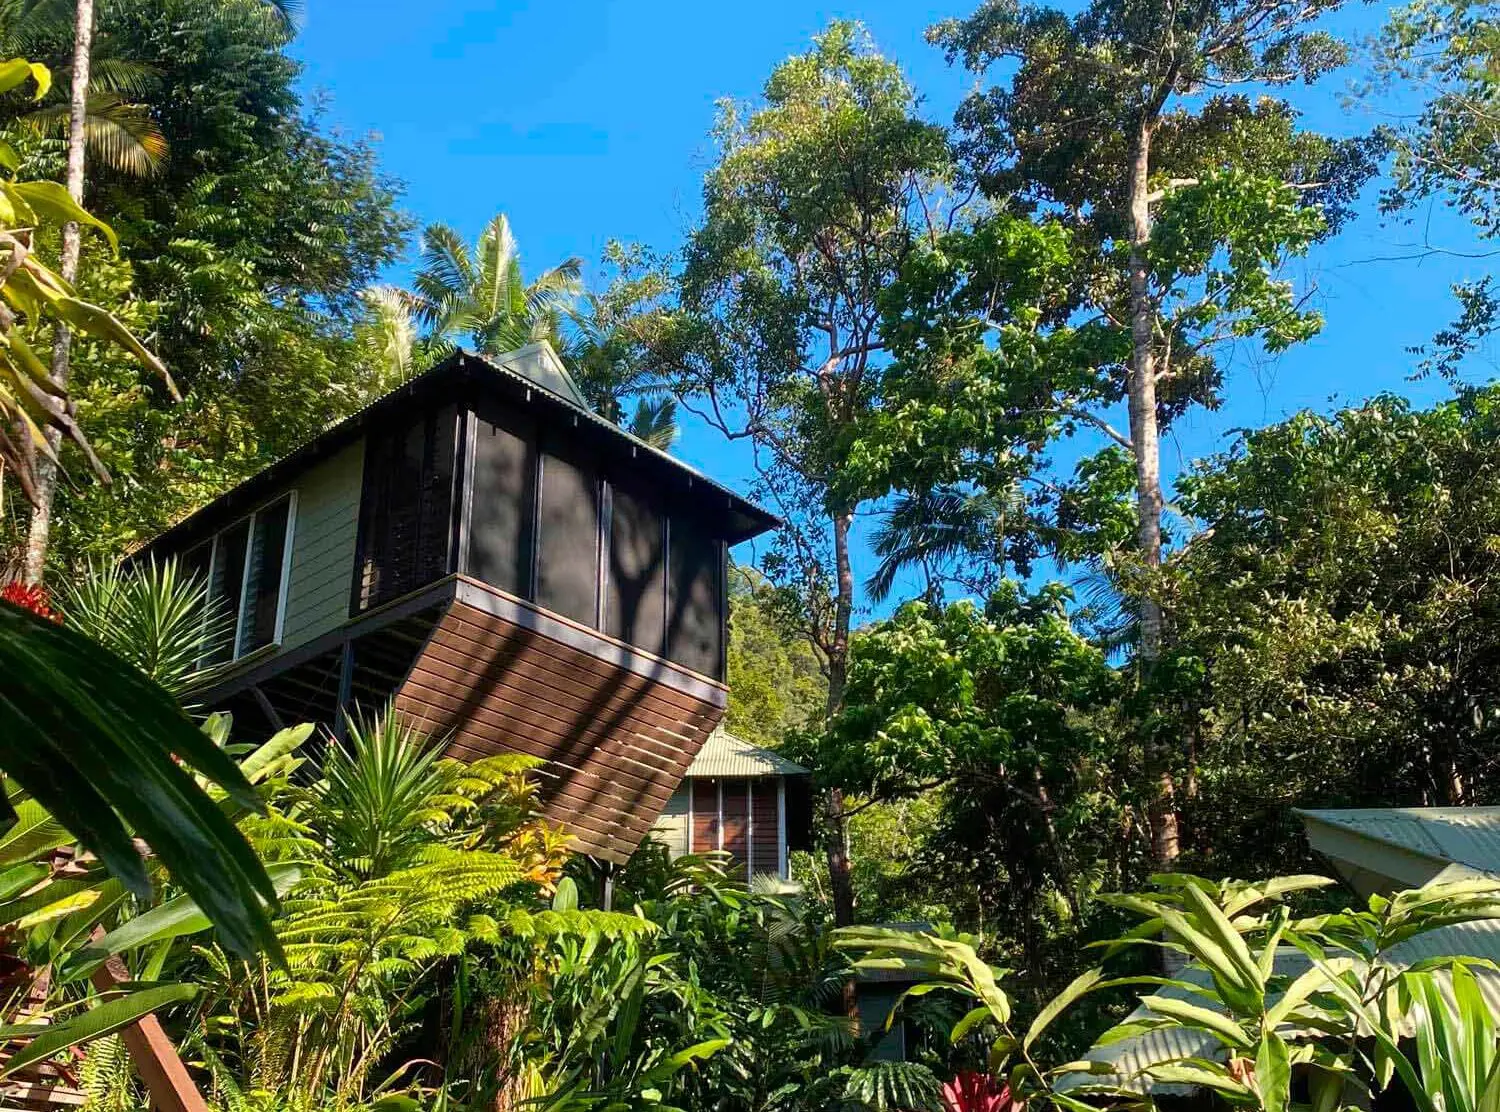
(153, 615)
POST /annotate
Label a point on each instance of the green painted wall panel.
(317, 597)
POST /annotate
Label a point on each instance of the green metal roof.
(724, 755)
(1389, 848)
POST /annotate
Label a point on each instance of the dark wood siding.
(764, 839)
(567, 580)
(705, 816)
(502, 498)
(695, 605)
(407, 507)
(636, 574)
(615, 743)
(736, 797)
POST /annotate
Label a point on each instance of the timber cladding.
(615, 741)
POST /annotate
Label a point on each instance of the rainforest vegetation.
(953, 349)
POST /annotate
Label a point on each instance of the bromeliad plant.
(1262, 993)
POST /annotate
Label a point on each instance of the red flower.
(33, 598)
(978, 1092)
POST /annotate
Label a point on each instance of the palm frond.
(933, 528)
(122, 136)
(655, 421)
(124, 77)
(387, 335)
(499, 279)
(446, 271)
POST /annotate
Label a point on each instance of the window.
(635, 598)
(406, 508)
(247, 566)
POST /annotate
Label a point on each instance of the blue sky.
(589, 121)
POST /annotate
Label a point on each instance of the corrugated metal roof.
(539, 364)
(1464, 835)
(724, 755)
(527, 367)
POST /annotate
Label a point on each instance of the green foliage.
(481, 296)
(1340, 618)
(35, 299)
(97, 744)
(775, 681)
(1446, 51)
(152, 616)
(816, 198)
(1236, 994)
(999, 721)
(243, 257)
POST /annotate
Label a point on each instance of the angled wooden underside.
(615, 727)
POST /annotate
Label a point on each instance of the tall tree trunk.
(46, 477)
(1146, 446)
(840, 882)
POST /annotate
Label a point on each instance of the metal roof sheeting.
(1466, 835)
(724, 755)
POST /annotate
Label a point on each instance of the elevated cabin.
(750, 802)
(515, 572)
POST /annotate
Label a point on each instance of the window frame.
(251, 519)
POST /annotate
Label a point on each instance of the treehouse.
(510, 570)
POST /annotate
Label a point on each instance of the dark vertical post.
(606, 499)
(463, 486)
(346, 685)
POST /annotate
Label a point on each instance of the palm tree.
(481, 295)
(119, 132)
(602, 354)
(949, 535)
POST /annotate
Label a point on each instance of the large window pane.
(500, 505)
(695, 605)
(635, 606)
(263, 593)
(568, 557)
(226, 581)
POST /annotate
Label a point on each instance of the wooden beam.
(156, 1059)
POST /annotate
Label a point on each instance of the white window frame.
(290, 497)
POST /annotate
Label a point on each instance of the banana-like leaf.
(1076, 990)
(260, 764)
(15, 72)
(173, 919)
(94, 742)
(34, 833)
(1204, 1019)
(1273, 1072)
(50, 200)
(104, 1019)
